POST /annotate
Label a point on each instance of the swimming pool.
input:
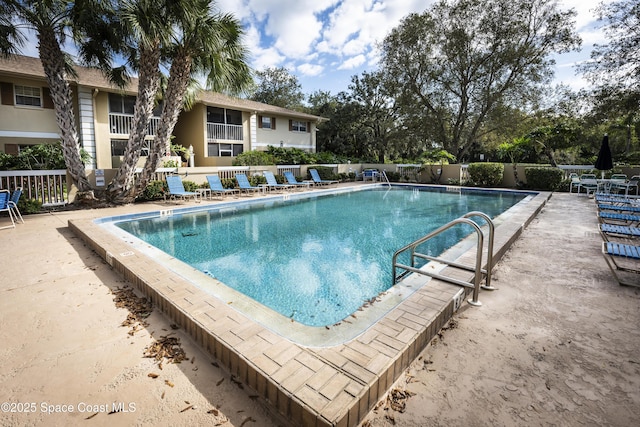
(315, 259)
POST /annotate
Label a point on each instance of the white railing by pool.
(229, 172)
(294, 169)
(160, 174)
(579, 169)
(49, 187)
(408, 170)
(120, 124)
(218, 131)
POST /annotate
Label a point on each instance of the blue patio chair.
(627, 207)
(176, 189)
(634, 183)
(272, 183)
(619, 231)
(370, 174)
(589, 182)
(215, 185)
(617, 182)
(5, 197)
(617, 218)
(291, 179)
(623, 258)
(245, 185)
(617, 199)
(319, 181)
(575, 182)
(13, 204)
(620, 184)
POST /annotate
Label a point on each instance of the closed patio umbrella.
(604, 161)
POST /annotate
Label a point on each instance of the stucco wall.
(24, 124)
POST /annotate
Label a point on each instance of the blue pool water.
(315, 260)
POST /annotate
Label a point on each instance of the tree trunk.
(53, 64)
(122, 189)
(179, 78)
(552, 160)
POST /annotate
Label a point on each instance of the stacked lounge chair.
(619, 226)
(623, 258)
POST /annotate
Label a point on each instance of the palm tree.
(148, 26)
(51, 22)
(208, 43)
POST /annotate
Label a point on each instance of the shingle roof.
(219, 99)
(29, 67)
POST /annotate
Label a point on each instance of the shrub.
(290, 156)
(564, 185)
(254, 158)
(39, 157)
(29, 206)
(486, 174)
(154, 190)
(170, 164)
(228, 182)
(189, 186)
(324, 172)
(546, 179)
(326, 158)
(393, 176)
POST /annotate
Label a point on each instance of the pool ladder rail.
(386, 178)
(480, 273)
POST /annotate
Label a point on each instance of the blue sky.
(325, 42)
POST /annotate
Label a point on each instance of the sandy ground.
(557, 344)
(63, 346)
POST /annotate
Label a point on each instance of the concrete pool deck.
(312, 386)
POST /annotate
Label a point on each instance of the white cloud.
(352, 63)
(308, 69)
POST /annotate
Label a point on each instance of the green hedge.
(157, 189)
(545, 179)
(486, 174)
(325, 172)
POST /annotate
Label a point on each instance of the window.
(224, 116)
(224, 150)
(297, 126)
(118, 146)
(121, 104)
(234, 117)
(27, 95)
(265, 122)
(215, 115)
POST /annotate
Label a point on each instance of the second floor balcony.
(120, 124)
(220, 131)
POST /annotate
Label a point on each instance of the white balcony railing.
(49, 187)
(120, 124)
(218, 131)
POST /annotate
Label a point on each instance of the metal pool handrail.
(487, 284)
(479, 271)
(384, 173)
